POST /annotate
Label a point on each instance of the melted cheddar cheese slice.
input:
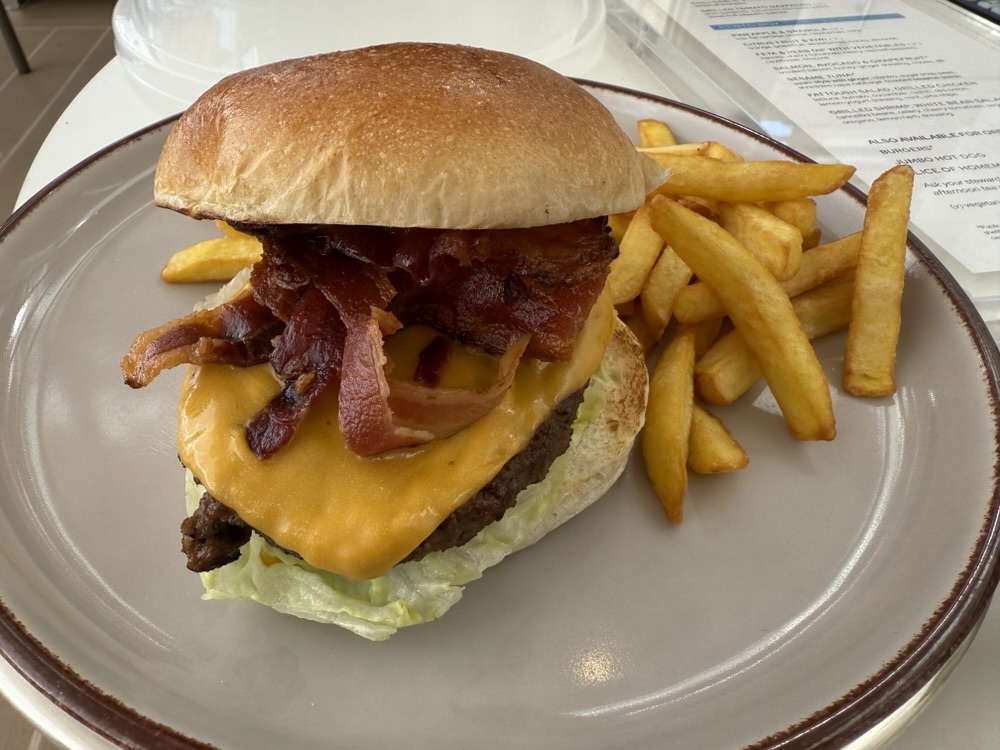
(349, 514)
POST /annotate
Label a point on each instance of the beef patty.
(213, 535)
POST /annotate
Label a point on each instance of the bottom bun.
(411, 593)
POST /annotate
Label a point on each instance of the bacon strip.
(278, 286)
(333, 293)
(360, 292)
(238, 332)
(431, 361)
(308, 357)
(445, 411)
(366, 419)
(486, 288)
(482, 287)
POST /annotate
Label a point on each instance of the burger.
(423, 373)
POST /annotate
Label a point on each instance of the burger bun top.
(402, 135)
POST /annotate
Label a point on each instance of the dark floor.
(66, 43)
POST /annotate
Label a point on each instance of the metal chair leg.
(7, 31)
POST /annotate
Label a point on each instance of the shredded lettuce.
(410, 593)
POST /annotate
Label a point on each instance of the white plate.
(802, 601)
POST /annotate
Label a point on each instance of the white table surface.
(965, 712)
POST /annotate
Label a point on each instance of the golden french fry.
(708, 333)
(774, 242)
(697, 302)
(743, 274)
(228, 230)
(712, 449)
(627, 308)
(692, 148)
(760, 309)
(811, 238)
(722, 152)
(799, 212)
(655, 133)
(704, 206)
(728, 369)
(668, 422)
(665, 280)
(637, 324)
(618, 223)
(751, 181)
(824, 263)
(825, 309)
(711, 149)
(638, 250)
(870, 356)
(217, 259)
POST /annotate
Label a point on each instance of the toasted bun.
(403, 135)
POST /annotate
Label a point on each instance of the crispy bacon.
(322, 299)
(484, 287)
(278, 286)
(444, 411)
(488, 287)
(485, 306)
(431, 361)
(364, 413)
(360, 292)
(238, 332)
(307, 356)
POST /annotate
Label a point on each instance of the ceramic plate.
(802, 601)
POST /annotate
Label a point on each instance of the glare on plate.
(598, 663)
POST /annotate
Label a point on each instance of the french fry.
(697, 302)
(824, 263)
(722, 152)
(655, 133)
(728, 369)
(711, 149)
(704, 206)
(217, 259)
(799, 212)
(870, 356)
(812, 238)
(708, 332)
(665, 280)
(668, 422)
(712, 449)
(627, 309)
(638, 250)
(618, 223)
(826, 308)
(760, 309)
(693, 148)
(756, 180)
(228, 230)
(774, 242)
(640, 329)
(748, 285)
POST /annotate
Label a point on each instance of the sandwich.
(423, 373)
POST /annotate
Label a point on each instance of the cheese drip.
(349, 514)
